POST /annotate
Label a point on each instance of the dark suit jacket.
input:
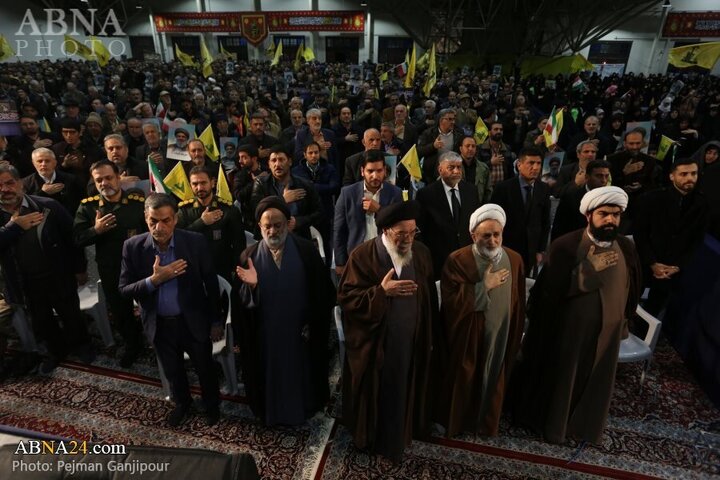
(303, 137)
(426, 149)
(310, 212)
(56, 240)
(527, 234)
(567, 216)
(69, 197)
(438, 230)
(349, 226)
(198, 290)
(352, 169)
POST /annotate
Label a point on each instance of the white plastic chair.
(315, 234)
(634, 349)
(222, 350)
(249, 238)
(341, 335)
(92, 302)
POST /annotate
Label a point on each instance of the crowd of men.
(313, 157)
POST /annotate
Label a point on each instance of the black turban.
(397, 212)
(271, 202)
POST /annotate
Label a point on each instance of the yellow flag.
(481, 131)
(431, 73)
(699, 55)
(308, 54)
(664, 147)
(246, 119)
(178, 182)
(184, 58)
(102, 53)
(278, 55)
(208, 139)
(270, 50)
(226, 54)
(6, 51)
(410, 77)
(422, 62)
(412, 163)
(298, 56)
(73, 47)
(207, 59)
(222, 190)
(384, 77)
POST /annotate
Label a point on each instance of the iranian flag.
(156, 182)
(553, 127)
(401, 70)
(578, 84)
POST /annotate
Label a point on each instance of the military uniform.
(226, 237)
(130, 221)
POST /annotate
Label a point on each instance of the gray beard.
(275, 242)
(402, 259)
(492, 255)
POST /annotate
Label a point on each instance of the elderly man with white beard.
(287, 299)
(389, 300)
(483, 314)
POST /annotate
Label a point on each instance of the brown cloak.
(564, 381)
(463, 327)
(364, 305)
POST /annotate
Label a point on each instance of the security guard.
(219, 221)
(106, 221)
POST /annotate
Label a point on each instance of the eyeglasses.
(403, 235)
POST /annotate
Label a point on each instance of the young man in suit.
(357, 205)
(171, 275)
(445, 209)
(526, 200)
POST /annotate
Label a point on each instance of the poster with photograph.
(646, 128)
(179, 134)
(551, 167)
(356, 72)
(391, 167)
(228, 150)
(9, 118)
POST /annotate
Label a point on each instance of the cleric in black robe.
(287, 299)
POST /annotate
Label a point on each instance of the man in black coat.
(446, 207)
(42, 268)
(567, 216)
(49, 182)
(527, 204)
(433, 142)
(299, 194)
(669, 225)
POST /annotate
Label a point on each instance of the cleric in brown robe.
(483, 315)
(389, 301)
(578, 312)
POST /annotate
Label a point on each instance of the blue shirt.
(167, 300)
(523, 190)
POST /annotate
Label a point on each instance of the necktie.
(455, 206)
(528, 198)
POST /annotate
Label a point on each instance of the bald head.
(371, 139)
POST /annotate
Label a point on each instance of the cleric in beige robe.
(389, 304)
(483, 315)
(578, 311)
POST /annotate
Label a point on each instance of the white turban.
(489, 211)
(603, 196)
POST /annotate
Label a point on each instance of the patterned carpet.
(669, 430)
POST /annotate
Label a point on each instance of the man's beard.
(491, 254)
(604, 234)
(180, 144)
(108, 192)
(275, 241)
(402, 259)
(497, 137)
